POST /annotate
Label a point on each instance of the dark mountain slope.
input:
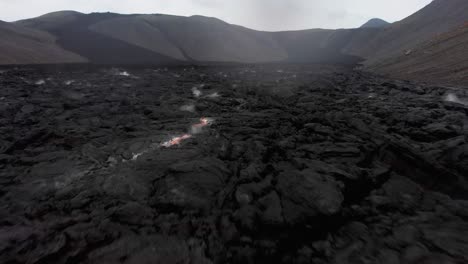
(210, 39)
(375, 45)
(205, 39)
(442, 59)
(158, 38)
(438, 17)
(76, 36)
(193, 38)
(20, 45)
(164, 39)
(138, 31)
(51, 21)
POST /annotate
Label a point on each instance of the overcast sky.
(257, 14)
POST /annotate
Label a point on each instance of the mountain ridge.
(21, 45)
(375, 23)
(111, 38)
(448, 49)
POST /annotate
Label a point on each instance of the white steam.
(188, 108)
(124, 73)
(213, 95)
(196, 92)
(198, 128)
(451, 97)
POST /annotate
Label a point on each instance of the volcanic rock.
(324, 173)
(192, 183)
(307, 194)
(272, 211)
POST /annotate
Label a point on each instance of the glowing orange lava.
(196, 129)
(176, 141)
(203, 122)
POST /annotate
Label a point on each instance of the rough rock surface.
(300, 164)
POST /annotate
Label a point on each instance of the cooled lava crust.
(235, 164)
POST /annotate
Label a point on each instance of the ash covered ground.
(254, 164)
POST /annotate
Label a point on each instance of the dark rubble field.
(253, 164)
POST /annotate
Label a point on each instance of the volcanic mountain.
(375, 23)
(438, 17)
(443, 58)
(109, 38)
(25, 45)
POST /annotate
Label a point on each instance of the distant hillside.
(20, 45)
(165, 39)
(442, 59)
(375, 23)
(438, 17)
(108, 38)
(193, 38)
(50, 21)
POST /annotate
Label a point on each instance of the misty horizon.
(259, 15)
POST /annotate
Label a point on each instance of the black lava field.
(231, 164)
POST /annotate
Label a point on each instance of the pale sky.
(271, 15)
